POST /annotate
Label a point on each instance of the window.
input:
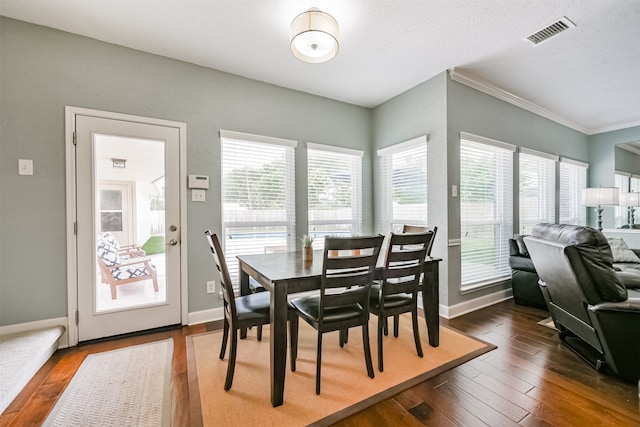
(622, 181)
(537, 189)
(573, 179)
(334, 191)
(258, 195)
(404, 184)
(486, 209)
(634, 184)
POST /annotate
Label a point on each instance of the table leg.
(431, 301)
(278, 342)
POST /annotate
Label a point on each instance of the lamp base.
(599, 213)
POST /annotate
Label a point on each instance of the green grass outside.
(475, 245)
(154, 245)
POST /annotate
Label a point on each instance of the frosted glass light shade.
(600, 196)
(630, 199)
(314, 36)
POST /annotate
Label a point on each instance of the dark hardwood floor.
(531, 379)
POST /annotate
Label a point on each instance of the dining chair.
(411, 229)
(343, 302)
(239, 312)
(421, 229)
(397, 293)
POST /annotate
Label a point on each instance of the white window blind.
(622, 181)
(404, 184)
(258, 196)
(486, 209)
(334, 192)
(573, 179)
(537, 182)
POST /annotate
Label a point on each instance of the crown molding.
(490, 89)
(615, 127)
(631, 148)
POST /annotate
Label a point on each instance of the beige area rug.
(125, 387)
(547, 323)
(345, 387)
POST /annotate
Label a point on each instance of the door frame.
(71, 208)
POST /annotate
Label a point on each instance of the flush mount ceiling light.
(314, 36)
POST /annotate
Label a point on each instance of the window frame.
(506, 224)
(355, 222)
(388, 221)
(550, 189)
(289, 222)
(576, 192)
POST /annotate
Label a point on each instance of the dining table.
(285, 273)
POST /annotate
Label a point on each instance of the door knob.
(173, 242)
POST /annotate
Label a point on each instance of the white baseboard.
(204, 316)
(63, 342)
(449, 312)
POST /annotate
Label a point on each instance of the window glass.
(404, 191)
(486, 210)
(258, 196)
(334, 192)
(573, 179)
(537, 191)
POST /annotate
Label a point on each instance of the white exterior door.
(128, 244)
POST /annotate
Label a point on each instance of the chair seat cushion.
(137, 270)
(390, 301)
(253, 306)
(309, 309)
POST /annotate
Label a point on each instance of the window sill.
(478, 286)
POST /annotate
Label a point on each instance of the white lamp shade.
(314, 36)
(630, 199)
(600, 196)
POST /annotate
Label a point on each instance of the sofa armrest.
(630, 279)
(523, 263)
(513, 248)
(631, 305)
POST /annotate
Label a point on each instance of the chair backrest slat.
(421, 229)
(352, 268)
(228, 294)
(404, 263)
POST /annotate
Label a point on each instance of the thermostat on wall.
(198, 181)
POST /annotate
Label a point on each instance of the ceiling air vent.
(550, 31)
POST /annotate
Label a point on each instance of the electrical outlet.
(211, 287)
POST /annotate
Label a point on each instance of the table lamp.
(600, 196)
(631, 200)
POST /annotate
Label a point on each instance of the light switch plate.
(25, 167)
(198, 195)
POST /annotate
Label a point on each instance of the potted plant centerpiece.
(307, 247)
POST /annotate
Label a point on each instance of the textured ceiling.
(588, 76)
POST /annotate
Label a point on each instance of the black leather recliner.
(597, 316)
(524, 278)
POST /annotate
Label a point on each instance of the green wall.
(442, 109)
(42, 70)
(419, 111)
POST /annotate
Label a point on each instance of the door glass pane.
(130, 223)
